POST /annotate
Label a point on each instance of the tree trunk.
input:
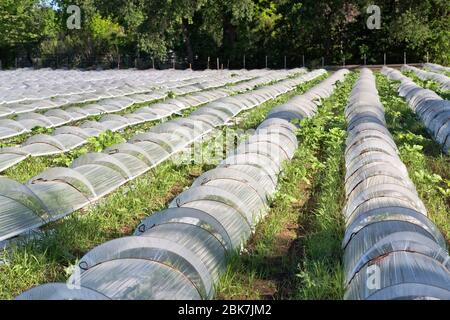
(229, 37)
(187, 41)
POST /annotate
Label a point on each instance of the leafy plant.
(104, 140)
(171, 94)
(41, 130)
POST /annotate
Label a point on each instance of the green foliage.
(104, 140)
(24, 21)
(104, 28)
(229, 29)
(171, 95)
(41, 130)
(95, 144)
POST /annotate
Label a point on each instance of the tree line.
(277, 32)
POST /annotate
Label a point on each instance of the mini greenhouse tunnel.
(180, 252)
(388, 234)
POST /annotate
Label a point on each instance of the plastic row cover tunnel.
(67, 138)
(429, 106)
(180, 252)
(137, 87)
(137, 91)
(443, 80)
(436, 68)
(40, 90)
(392, 250)
(27, 118)
(59, 191)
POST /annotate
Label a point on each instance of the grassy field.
(51, 257)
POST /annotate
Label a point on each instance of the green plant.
(104, 140)
(171, 94)
(41, 130)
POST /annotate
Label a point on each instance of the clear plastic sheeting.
(139, 279)
(190, 216)
(391, 249)
(441, 79)
(421, 278)
(61, 291)
(21, 208)
(162, 250)
(203, 225)
(93, 176)
(139, 87)
(428, 105)
(436, 68)
(67, 138)
(44, 89)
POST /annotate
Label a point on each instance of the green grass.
(428, 167)
(50, 257)
(295, 252)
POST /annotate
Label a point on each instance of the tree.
(23, 25)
